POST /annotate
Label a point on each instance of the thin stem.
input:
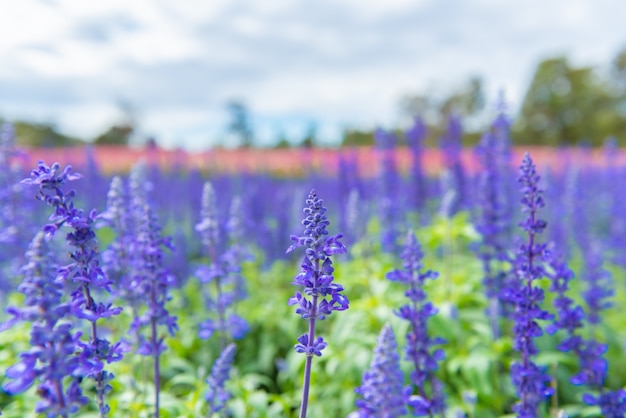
(309, 359)
(157, 373)
(58, 387)
(221, 315)
(90, 305)
(155, 346)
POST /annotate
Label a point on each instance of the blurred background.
(281, 73)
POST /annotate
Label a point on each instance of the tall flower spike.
(454, 178)
(51, 359)
(382, 392)
(84, 271)
(492, 223)
(320, 296)
(154, 281)
(217, 395)
(419, 343)
(388, 186)
(590, 353)
(531, 383)
(224, 283)
(415, 137)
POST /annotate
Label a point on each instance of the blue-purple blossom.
(415, 137)
(492, 222)
(319, 296)
(388, 188)
(15, 211)
(382, 393)
(419, 348)
(217, 395)
(531, 383)
(454, 178)
(52, 360)
(593, 366)
(84, 271)
(153, 281)
(599, 282)
(224, 283)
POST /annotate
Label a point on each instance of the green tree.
(310, 138)
(466, 101)
(41, 135)
(355, 137)
(566, 104)
(115, 135)
(239, 124)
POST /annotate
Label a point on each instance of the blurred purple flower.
(419, 343)
(382, 392)
(532, 384)
(217, 395)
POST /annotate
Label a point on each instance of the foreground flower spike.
(84, 271)
(217, 395)
(51, 359)
(383, 395)
(419, 343)
(319, 296)
(532, 384)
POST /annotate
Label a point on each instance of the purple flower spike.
(531, 383)
(217, 395)
(84, 271)
(382, 392)
(52, 360)
(224, 284)
(319, 295)
(419, 344)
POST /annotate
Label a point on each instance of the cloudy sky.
(338, 63)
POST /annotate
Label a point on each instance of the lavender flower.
(492, 224)
(223, 271)
(116, 259)
(52, 359)
(217, 395)
(454, 178)
(531, 383)
(415, 137)
(590, 353)
(320, 296)
(419, 343)
(389, 180)
(599, 284)
(15, 210)
(153, 281)
(84, 271)
(383, 394)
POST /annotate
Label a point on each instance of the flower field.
(370, 283)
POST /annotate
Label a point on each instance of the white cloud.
(336, 61)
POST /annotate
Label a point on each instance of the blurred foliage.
(566, 104)
(115, 135)
(41, 135)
